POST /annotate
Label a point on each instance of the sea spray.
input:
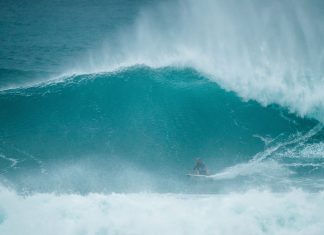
(271, 52)
(252, 212)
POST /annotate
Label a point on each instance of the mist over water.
(102, 118)
(269, 51)
(149, 125)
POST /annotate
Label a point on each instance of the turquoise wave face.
(142, 129)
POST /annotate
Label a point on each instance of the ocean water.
(105, 105)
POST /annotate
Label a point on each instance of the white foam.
(13, 163)
(297, 140)
(264, 170)
(312, 151)
(252, 212)
(268, 163)
(268, 51)
(271, 52)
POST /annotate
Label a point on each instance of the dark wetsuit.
(200, 168)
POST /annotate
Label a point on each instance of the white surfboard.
(197, 176)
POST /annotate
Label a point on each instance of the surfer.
(200, 167)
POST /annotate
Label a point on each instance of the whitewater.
(106, 105)
(251, 212)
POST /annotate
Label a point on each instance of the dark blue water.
(45, 35)
(153, 120)
(104, 97)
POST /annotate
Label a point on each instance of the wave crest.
(271, 52)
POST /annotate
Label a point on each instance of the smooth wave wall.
(106, 147)
(138, 124)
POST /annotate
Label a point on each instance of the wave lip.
(270, 52)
